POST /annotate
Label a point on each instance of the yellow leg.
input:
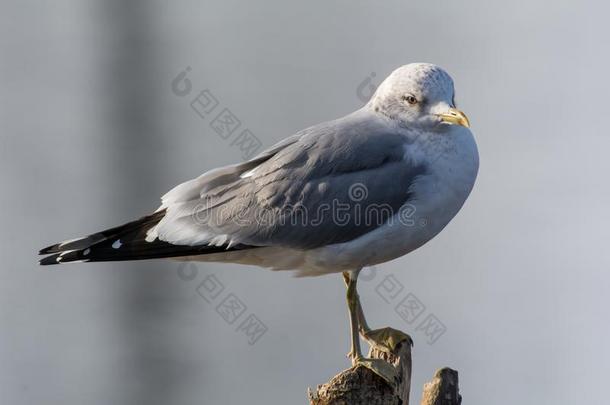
(350, 279)
(385, 339)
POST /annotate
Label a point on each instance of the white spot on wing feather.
(218, 240)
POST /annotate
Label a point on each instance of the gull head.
(419, 95)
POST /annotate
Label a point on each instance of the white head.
(419, 95)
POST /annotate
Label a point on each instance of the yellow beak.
(455, 116)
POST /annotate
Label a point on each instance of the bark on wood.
(361, 386)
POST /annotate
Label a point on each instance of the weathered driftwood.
(360, 385)
(443, 389)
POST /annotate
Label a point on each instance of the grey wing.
(328, 184)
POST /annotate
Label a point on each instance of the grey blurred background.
(92, 134)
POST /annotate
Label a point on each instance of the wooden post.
(443, 389)
(361, 386)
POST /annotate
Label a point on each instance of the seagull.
(336, 197)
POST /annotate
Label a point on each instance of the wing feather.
(298, 194)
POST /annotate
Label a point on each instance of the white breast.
(437, 198)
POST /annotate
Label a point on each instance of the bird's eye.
(410, 99)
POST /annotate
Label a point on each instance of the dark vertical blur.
(137, 141)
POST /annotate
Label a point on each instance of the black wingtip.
(49, 249)
(125, 242)
(49, 260)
